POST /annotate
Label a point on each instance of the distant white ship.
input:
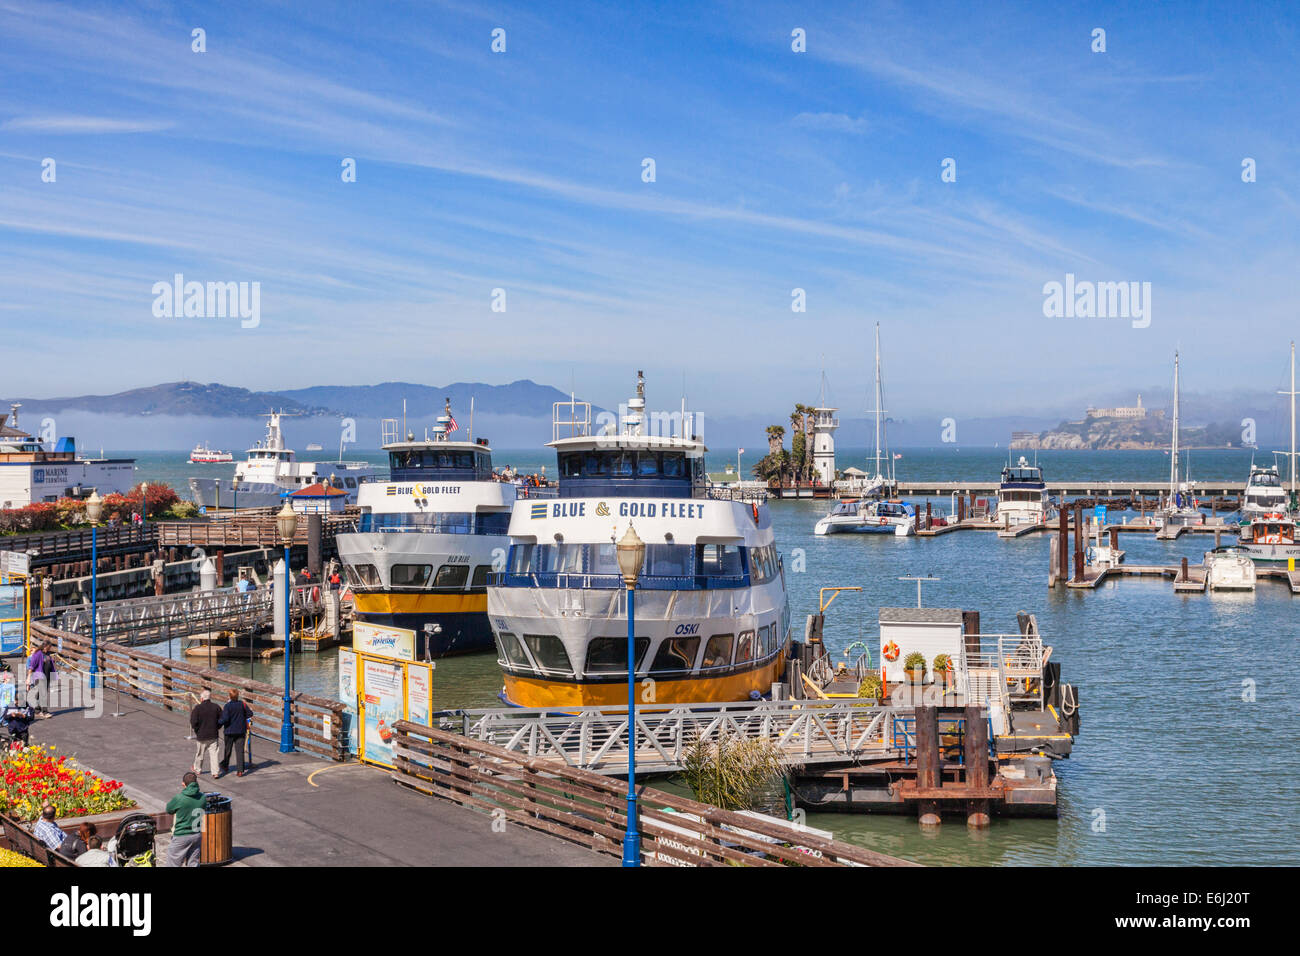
(272, 471)
(203, 455)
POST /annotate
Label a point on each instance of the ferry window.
(336, 481)
(452, 576)
(511, 651)
(411, 575)
(363, 575)
(647, 463)
(718, 559)
(521, 558)
(669, 560)
(602, 559)
(764, 641)
(675, 654)
(745, 647)
(548, 652)
(494, 522)
(568, 558)
(673, 464)
(350, 482)
(717, 653)
(607, 655)
(570, 466)
(480, 576)
(623, 464)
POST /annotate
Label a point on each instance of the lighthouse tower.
(824, 425)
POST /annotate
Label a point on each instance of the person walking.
(40, 666)
(204, 722)
(234, 719)
(186, 809)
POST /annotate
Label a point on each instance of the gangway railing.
(596, 738)
(149, 619)
(1007, 668)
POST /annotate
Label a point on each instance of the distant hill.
(181, 399)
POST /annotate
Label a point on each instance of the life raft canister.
(891, 651)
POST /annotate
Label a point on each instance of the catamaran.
(1179, 507)
(865, 509)
(272, 471)
(712, 616)
(1271, 535)
(427, 538)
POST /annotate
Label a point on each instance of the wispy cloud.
(86, 125)
(831, 122)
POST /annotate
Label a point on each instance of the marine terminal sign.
(383, 641)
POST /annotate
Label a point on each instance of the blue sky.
(775, 170)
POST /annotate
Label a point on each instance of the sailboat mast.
(1293, 422)
(879, 401)
(1173, 451)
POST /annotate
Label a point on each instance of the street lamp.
(286, 523)
(631, 555)
(94, 510)
(144, 506)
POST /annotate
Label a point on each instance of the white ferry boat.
(29, 472)
(712, 617)
(272, 471)
(875, 516)
(427, 539)
(203, 455)
(1022, 495)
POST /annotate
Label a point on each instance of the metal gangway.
(596, 738)
(150, 619)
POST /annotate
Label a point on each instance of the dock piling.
(929, 772)
(1078, 543)
(975, 755)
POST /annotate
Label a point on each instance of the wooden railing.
(174, 685)
(75, 545)
(588, 809)
(259, 531)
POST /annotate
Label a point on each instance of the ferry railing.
(596, 738)
(647, 582)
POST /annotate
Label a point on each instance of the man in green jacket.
(187, 808)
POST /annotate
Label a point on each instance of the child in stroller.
(133, 844)
(17, 721)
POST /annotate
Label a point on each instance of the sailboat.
(867, 510)
(1271, 535)
(1179, 507)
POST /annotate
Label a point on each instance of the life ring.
(884, 521)
(890, 651)
(754, 509)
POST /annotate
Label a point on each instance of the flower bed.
(38, 775)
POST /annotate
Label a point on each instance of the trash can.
(217, 846)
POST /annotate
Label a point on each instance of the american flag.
(451, 424)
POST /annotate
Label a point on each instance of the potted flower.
(943, 669)
(914, 667)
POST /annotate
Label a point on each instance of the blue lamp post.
(144, 507)
(94, 509)
(631, 555)
(286, 522)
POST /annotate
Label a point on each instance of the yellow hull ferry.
(712, 615)
(427, 539)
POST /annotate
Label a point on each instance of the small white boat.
(1022, 495)
(203, 455)
(877, 516)
(1229, 569)
(1270, 535)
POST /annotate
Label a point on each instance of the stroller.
(134, 841)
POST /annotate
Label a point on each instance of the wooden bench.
(21, 840)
